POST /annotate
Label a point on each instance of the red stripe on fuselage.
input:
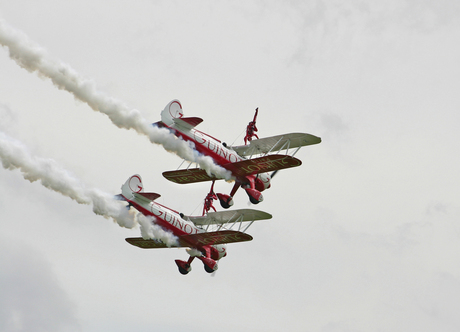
(209, 146)
(167, 220)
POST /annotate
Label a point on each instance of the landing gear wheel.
(225, 205)
(184, 267)
(225, 200)
(208, 269)
(254, 195)
(253, 200)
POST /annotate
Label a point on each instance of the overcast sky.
(365, 234)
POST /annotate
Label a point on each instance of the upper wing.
(276, 143)
(194, 240)
(188, 176)
(223, 217)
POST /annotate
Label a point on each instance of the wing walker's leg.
(208, 200)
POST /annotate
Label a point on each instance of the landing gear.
(210, 265)
(255, 196)
(183, 271)
(184, 267)
(225, 200)
(249, 185)
(208, 269)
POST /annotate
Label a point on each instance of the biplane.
(204, 236)
(250, 164)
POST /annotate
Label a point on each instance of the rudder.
(172, 111)
(132, 185)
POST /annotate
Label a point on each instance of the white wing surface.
(276, 143)
(230, 216)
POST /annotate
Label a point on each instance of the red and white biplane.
(205, 236)
(249, 164)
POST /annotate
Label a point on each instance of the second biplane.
(204, 236)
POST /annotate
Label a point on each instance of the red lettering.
(179, 224)
(156, 212)
(187, 230)
(233, 158)
(211, 146)
(200, 139)
(223, 153)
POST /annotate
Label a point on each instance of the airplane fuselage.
(222, 156)
(167, 218)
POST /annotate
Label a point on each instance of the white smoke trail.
(33, 58)
(14, 155)
(150, 230)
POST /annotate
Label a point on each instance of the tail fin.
(132, 185)
(133, 189)
(172, 111)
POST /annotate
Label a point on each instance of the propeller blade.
(273, 174)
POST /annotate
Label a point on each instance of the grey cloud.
(31, 299)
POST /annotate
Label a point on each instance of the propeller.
(273, 174)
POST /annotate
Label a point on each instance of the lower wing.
(269, 163)
(194, 240)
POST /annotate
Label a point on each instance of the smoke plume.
(150, 230)
(15, 155)
(33, 58)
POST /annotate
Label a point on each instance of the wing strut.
(274, 145)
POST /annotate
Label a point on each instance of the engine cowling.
(218, 251)
(262, 181)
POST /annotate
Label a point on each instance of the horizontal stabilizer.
(187, 123)
(276, 143)
(194, 240)
(229, 216)
(146, 197)
(150, 196)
